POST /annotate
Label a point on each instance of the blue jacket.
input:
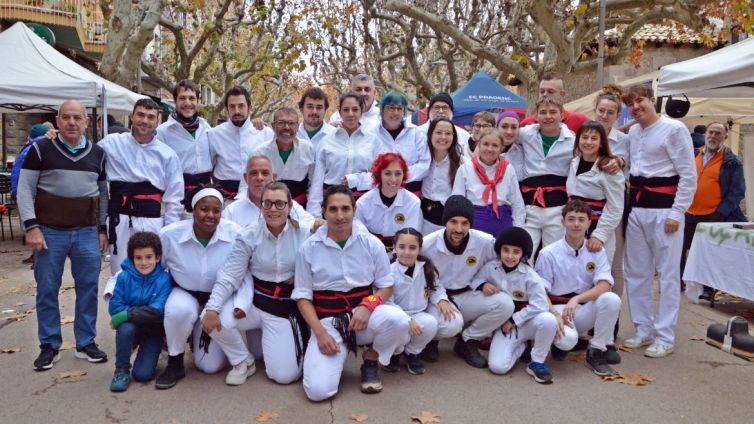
(133, 289)
(18, 164)
(732, 187)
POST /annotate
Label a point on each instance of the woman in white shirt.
(345, 156)
(491, 185)
(508, 123)
(389, 207)
(437, 186)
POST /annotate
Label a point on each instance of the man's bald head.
(72, 121)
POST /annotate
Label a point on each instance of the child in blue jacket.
(136, 310)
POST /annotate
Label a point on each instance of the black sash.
(432, 211)
(275, 299)
(653, 193)
(553, 190)
(140, 199)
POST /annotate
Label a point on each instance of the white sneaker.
(658, 351)
(637, 341)
(238, 375)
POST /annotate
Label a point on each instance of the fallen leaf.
(579, 357)
(624, 348)
(71, 374)
(634, 379)
(266, 416)
(67, 345)
(697, 339)
(745, 313)
(10, 350)
(696, 323)
(64, 289)
(66, 320)
(19, 304)
(359, 417)
(426, 417)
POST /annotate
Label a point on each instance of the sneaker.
(29, 260)
(414, 365)
(582, 344)
(370, 378)
(47, 358)
(595, 359)
(637, 341)
(611, 355)
(558, 354)
(658, 351)
(173, 372)
(91, 353)
(540, 372)
(120, 382)
(239, 373)
(469, 351)
(431, 352)
(394, 365)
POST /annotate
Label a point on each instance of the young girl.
(389, 207)
(416, 291)
(447, 157)
(508, 124)
(492, 186)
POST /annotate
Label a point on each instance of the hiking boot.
(121, 380)
(173, 372)
(431, 352)
(469, 351)
(414, 365)
(394, 365)
(239, 373)
(611, 355)
(370, 378)
(91, 353)
(558, 354)
(540, 372)
(595, 359)
(47, 358)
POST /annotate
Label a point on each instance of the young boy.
(531, 319)
(578, 283)
(136, 310)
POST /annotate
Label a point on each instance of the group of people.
(302, 242)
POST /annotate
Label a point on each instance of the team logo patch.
(518, 294)
(426, 294)
(471, 261)
(399, 218)
(591, 266)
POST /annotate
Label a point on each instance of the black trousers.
(690, 228)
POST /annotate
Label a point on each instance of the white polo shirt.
(598, 185)
(469, 185)
(457, 271)
(565, 270)
(192, 151)
(528, 157)
(522, 285)
(411, 293)
(385, 221)
(230, 146)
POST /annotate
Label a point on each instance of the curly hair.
(143, 240)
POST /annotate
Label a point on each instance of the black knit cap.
(441, 97)
(457, 205)
(514, 236)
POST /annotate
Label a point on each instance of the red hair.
(383, 161)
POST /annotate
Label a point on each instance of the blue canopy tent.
(481, 92)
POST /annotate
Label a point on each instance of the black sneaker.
(173, 372)
(469, 351)
(595, 359)
(370, 377)
(558, 354)
(582, 344)
(540, 372)
(414, 365)
(47, 358)
(611, 355)
(91, 353)
(394, 365)
(431, 352)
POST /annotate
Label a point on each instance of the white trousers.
(387, 331)
(600, 314)
(446, 328)
(617, 263)
(648, 249)
(181, 319)
(483, 314)
(544, 224)
(278, 343)
(429, 327)
(505, 350)
(124, 231)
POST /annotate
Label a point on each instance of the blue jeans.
(82, 246)
(127, 336)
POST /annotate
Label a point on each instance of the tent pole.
(4, 142)
(94, 124)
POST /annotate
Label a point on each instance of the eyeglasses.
(394, 108)
(481, 126)
(285, 123)
(279, 204)
(440, 107)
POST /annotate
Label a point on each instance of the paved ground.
(697, 384)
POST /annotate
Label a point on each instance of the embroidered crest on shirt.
(471, 261)
(426, 293)
(399, 218)
(518, 294)
(591, 266)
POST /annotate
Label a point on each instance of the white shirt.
(299, 166)
(618, 142)
(469, 185)
(411, 293)
(244, 213)
(323, 265)
(597, 185)
(411, 143)
(193, 152)
(437, 185)
(528, 157)
(463, 137)
(256, 250)
(230, 145)
(565, 270)
(522, 284)
(341, 155)
(323, 132)
(133, 162)
(370, 119)
(665, 149)
(386, 221)
(457, 271)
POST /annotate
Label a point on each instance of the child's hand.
(446, 310)
(489, 289)
(507, 327)
(414, 328)
(211, 322)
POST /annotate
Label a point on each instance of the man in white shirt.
(663, 181)
(363, 84)
(313, 105)
(441, 104)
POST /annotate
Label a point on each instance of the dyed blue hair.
(394, 97)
